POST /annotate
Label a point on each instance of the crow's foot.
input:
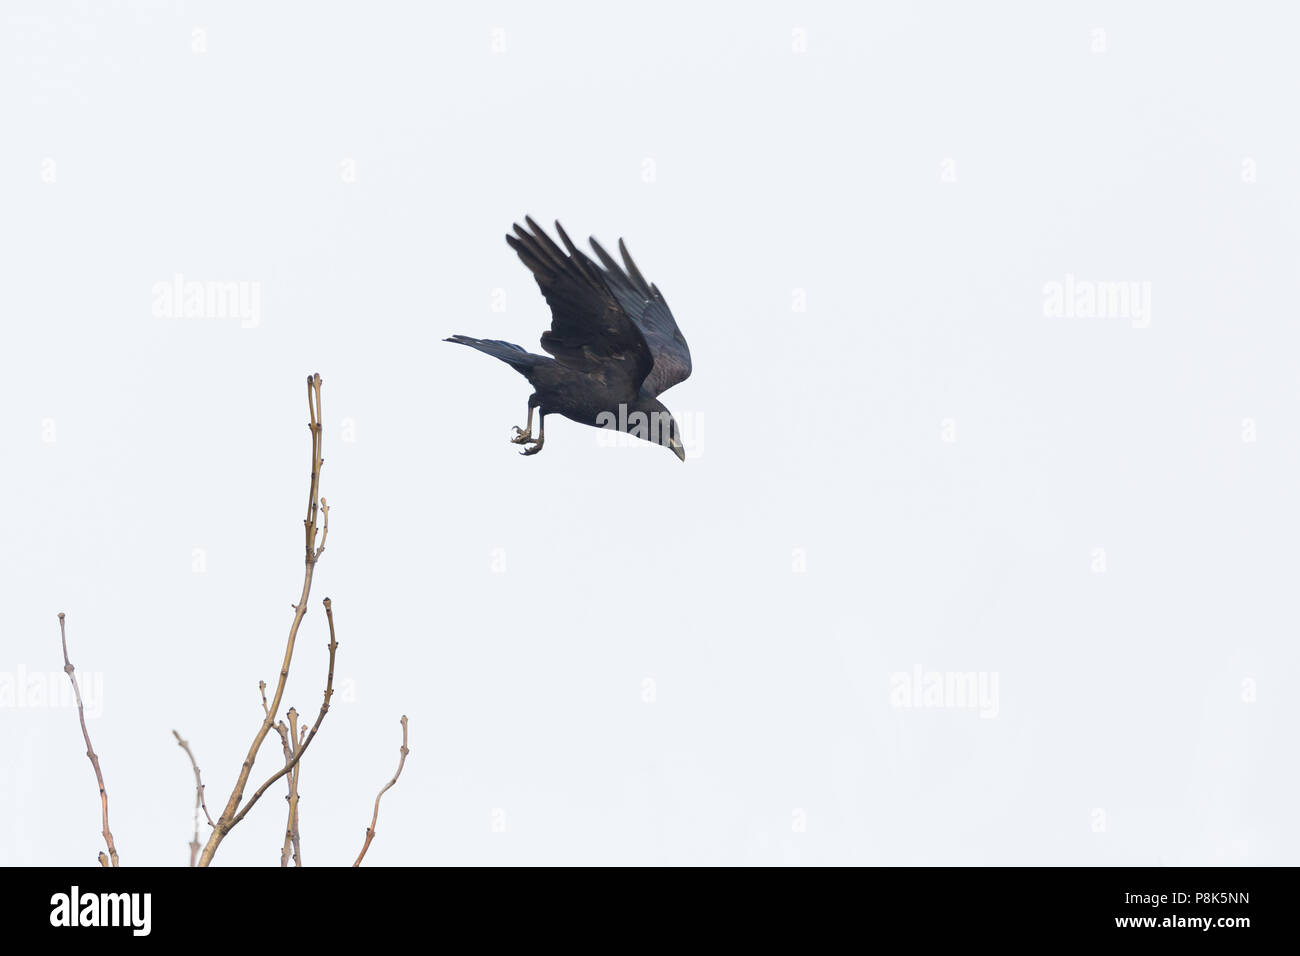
(524, 436)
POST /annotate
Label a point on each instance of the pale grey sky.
(914, 471)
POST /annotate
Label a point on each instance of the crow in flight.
(616, 346)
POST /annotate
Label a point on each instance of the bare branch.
(286, 847)
(325, 530)
(289, 741)
(370, 830)
(231, 815)
(297, 815)
(324, 709)
(90, 751)
(199, 801)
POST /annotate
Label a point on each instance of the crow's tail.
(507, 352)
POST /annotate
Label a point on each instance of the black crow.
(616, 346)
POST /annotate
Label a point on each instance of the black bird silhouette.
(616, 346)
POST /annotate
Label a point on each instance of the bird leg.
(535, 442)
(525, 434)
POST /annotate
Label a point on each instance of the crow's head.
(656, 424)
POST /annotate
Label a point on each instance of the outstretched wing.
(590, 330)
(645, 306)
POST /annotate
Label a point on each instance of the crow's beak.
(679, 450)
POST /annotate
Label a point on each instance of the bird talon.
(521, 436)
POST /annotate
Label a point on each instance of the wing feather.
(589, 328)
(645, 305)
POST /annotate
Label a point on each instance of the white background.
(920, 172)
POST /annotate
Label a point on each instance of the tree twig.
(199, 800)
(90, 751)
(297, 816)
(288, 755)
(370, 830)
(324, 709)
(231, 815)
(289, 740)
